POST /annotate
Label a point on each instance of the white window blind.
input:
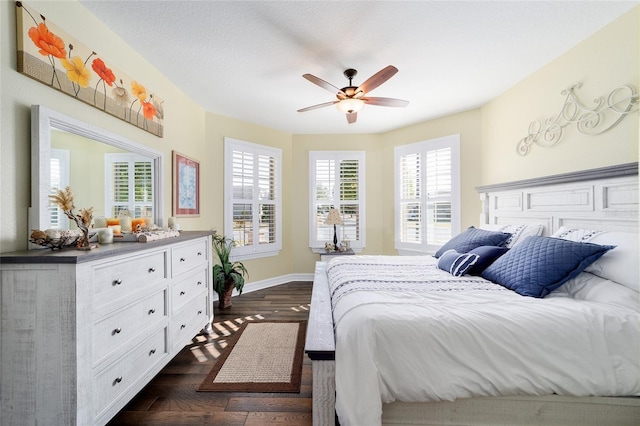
(427, 194)
(252, 198)
(336, 181)
(59, 180)
(129, 180)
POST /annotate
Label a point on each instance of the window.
(336, 181)
(59, 180)
(427, 194)
(129, 180)
(252, 209)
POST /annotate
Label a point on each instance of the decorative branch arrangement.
(619, 103)
(64, 199)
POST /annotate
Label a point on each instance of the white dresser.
(84, 332)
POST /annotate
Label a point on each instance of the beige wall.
(604, 61)
(488, 135)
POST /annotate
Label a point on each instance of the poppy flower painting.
(47, 54)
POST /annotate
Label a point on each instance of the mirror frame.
(43, 120)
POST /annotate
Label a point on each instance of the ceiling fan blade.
(352, 117)
(309, 108)
(388, 102)
(377, 79)
(325, 85)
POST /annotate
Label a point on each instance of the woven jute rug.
(262, 356)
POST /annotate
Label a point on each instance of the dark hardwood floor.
(171, 397)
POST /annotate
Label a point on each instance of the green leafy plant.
(227, 275)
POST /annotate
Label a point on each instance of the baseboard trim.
(270, 282)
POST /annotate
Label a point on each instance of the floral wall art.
(49, 55)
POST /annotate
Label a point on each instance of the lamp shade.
(350, 105)
(333, 218)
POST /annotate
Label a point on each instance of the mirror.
(84, 150)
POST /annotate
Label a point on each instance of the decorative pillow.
(486, 256)
(518, 232)
(472, 238)
(455, 263)
(538, 265)
(575, 234)
(619, 265)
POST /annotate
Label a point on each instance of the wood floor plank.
(171, 397)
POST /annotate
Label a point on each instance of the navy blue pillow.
(457, 264)
(539, 265)
(472, 238)
(487, 255)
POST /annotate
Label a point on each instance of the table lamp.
(333, 218)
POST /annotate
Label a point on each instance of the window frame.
(316, 245)
(452, 142)
(254, 250)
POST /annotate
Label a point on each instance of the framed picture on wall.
(186, 186)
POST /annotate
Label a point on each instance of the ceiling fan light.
(350, 105)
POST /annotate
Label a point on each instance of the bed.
(411, 340)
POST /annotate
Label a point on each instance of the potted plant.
(227, 275)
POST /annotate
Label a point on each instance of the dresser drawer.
(189, 321)
(122, 374)
(187, 256)
(118, 279)
(187, 289)
(114, 330)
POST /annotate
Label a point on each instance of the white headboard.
(602, 199)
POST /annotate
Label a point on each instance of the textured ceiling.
(245, 59)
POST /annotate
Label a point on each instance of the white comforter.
(410, 332)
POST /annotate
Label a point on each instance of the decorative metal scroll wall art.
(621, 102)
(51, 56)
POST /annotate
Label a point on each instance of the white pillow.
(518, 232)
(621, 264)
(593, 288)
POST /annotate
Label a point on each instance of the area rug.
(262, 356)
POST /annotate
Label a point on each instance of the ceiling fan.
(351, 99)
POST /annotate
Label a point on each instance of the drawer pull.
(183, 326)
(116, 331)
(199, 253)
(152, 311)
(117, 282)
(182, 293)
(199, 282)
(182, 259)
(199, 312)
(152, 269)
(152, 351)
(117, 380)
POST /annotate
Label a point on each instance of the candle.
(126, 224)
(113, 221)
(138, 221)
(100, 222)
(105, 236)
(172, 222)
(117, 229)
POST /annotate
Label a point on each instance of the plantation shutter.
(129, 180)
(336, 181)
(410, 199)
(427, 194)
(438, 196)
(59, 163)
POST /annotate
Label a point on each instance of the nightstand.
(326, 256)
